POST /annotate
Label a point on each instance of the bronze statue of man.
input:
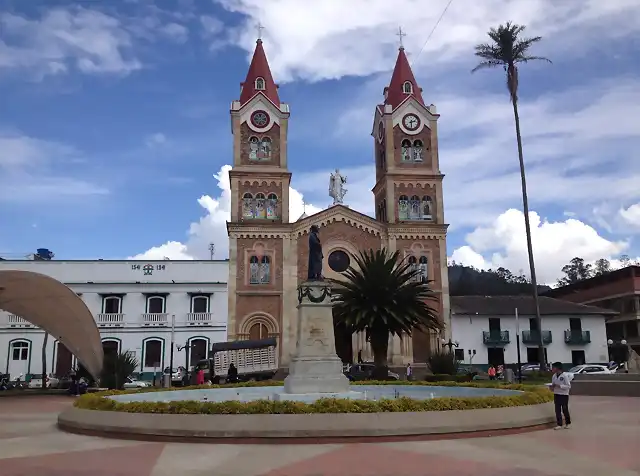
(315, 255)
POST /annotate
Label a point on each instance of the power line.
(433, 30)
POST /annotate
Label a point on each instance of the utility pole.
(212, 250)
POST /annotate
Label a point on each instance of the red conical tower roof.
(402, 74)
(259, 68)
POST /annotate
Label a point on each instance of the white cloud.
(332, 39)
(211, 228)
(65, 39)
(175, 31)
(503, 243)
(631, 215)
(155, 140)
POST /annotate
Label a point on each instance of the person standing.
(492, 372)
(561, 387)
(409, 372)
(360, 356)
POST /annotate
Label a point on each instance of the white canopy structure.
(52, 306)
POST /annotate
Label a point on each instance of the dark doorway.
(64, 360)
(344, 345)
(421, 345)
(577, 357)
(575, 324)
(198, 351)
(495, 356)
(110, 347)
(533, 355)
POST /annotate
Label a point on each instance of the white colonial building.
(485, 330)
(135, 305)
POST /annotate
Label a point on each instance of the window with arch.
(199, 350)
(403, 207)
(272, 205)
(153, 353)
(417, 150)
(111, 305)
(414, 208)
(259, 205)
(406, 150)
(427, 208)
(264, 152)
(199, 304)
(260, 84)
(156, 305)
(247, 205)
(407, 87)
(424, 269)
(259, 269)
(258, 331)
(413, 263)
(110, 347)
(20, 350)
(254, 146)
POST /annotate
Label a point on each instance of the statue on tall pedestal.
(315, 255)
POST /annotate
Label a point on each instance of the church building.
(268, 248)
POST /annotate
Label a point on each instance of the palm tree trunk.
(380, 348)
(527, 227)
(44, 360)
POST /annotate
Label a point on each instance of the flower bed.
(530, 396)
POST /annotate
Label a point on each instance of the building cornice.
(340, 213)
(418, 231)
(259, 230)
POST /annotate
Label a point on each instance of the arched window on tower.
(259, 269)
(407, 87)
(260, 206)
(417, 151)
(265, 269)
(403, 207)
(272, 205)
(427, 208)
(254, 270)
(406, 150)
(259, 84)
(264, 153)
(383, 159)
(413, 265)
(414, 208)
(254, 145)
(424, 269)
(247, 206)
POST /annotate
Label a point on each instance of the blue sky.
(114, 121)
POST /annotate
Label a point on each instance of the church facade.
(268, 249)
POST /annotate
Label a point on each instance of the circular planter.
(307, 428)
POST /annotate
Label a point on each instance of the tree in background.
(44, 360)
(506, 50)
(602, 266)
(381, 295)
(469, 281)
(576, 270)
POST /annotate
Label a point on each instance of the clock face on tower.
(411, 122)
(260, 119)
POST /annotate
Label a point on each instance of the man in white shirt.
(561, 386)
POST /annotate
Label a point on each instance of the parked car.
(591, 369)
(36, 381)
(364, 371)
(133, 383)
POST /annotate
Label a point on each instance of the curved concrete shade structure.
(54, 307)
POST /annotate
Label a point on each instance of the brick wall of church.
(273, 134)
(425, 136)
(333, 232)
(271, 247)
(257, 304)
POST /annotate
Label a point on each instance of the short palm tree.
(507, 49)
(382, 296)
(116, 369)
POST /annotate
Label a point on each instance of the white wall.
(467, 330)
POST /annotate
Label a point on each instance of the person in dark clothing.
(360, 356)
(232, 373)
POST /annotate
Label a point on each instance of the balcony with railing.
(155, 319)
(533, 337)
(573, 337)
(495, 338)
(12, 320)
(108, 319)
(199, 318)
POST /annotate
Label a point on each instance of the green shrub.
(443, 363)
(531, 395)
(116, 368)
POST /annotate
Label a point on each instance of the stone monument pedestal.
(315, 370)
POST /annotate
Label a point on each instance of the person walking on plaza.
(409, 372)
(492, 372)
(561, 387)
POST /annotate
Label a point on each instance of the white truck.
(254, 359)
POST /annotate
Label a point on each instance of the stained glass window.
(414, 208)
(260, 211)
(424, 269)
(272, 205)
(265, 270)
(403, 207)
(247, 206)
(406, 150)
(427, 205)
(254, 270)
(417, 151)
(265, 149)
(254, 145)
(413, 264)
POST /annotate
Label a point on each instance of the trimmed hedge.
(530, 396)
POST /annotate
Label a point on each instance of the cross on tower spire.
(400, 35)
(259, 27)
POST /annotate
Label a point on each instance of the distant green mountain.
(469, 281)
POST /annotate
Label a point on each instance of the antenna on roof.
(212, 250)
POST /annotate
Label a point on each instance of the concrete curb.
(272, 428)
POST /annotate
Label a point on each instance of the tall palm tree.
(381, 296)
(507, 49)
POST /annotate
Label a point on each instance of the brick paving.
(605, 439)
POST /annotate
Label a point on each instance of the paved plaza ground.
(604, 440)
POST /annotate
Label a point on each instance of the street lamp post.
(450, 344)
(186, 348)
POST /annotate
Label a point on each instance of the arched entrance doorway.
(19, 358)
(198, 350)
(110, 348)
(258, 331)
(64, 360)
(344, 344)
